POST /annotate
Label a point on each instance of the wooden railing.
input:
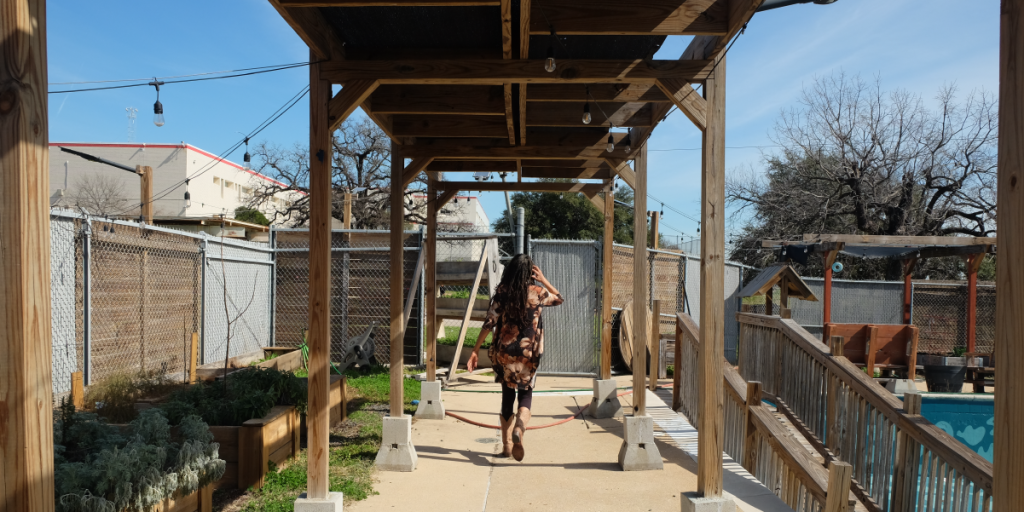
(901, 461)
(756, 438)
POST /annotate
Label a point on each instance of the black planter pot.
(944, 374)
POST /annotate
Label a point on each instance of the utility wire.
(147, 79)
(146, 84)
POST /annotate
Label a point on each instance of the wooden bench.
(878, 346)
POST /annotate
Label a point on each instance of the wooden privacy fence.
(901, 461)
(756, 438)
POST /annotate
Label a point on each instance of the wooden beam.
(710, 426)
(898, 241)
(397, 277)
(524, 53)
(313, 29)
(648, 17)
(444, 198)
(1009, 352)
(687, 99)
(570, 164)
(510, 120)
(448, 126)
(497, 72)
(506, 54)
(624, 171)
(469, 152)
(606, 282)
(386, 3)
(711, 46)
(526, 186)
(472, 166)
(351, 95)
(598, 202)
(571, 114)
(430, 281)
(382, 120)
(439, 99)
(618, 93)
(412, 171)
(655, 342)
(641, 326)
(145, 173)
(579, 173)
(318, 415)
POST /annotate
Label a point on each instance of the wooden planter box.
(338, 400)
(290, 360)
(199, 501)
(248, 449)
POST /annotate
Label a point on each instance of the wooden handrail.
(964, 460)
(813, 475)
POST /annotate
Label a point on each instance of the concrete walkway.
(568, 467)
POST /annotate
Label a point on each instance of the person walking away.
(515, 316)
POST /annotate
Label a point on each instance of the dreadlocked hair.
(515, 286)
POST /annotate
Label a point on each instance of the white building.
(216, 187)
(463, 214)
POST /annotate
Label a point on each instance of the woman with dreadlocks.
(515, 318)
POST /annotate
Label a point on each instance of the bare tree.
(858, 160)
(99, 194)
(361, 162)
(230, 321)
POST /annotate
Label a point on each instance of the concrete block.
(333, 503)
(605, 403)
(430, 406)
(693, 502)
(396, 450)
(901, 386)
(638, 451)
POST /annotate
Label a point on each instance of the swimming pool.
(967, 417)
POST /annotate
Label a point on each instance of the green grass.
(463, 294)
(352, 463)
(472, 333)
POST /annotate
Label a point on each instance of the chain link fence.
(238, 282)
(939, 310)
(64, 287)
(360, 290)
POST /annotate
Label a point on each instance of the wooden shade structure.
(783, 276)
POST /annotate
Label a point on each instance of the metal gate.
(572, 331)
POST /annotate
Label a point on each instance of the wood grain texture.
(314, 30)
(318, 415)
(430, 281)
(576, 173)
(193, 358)
(397, 277)
(510, 114)
(570, 114)
(606, 282)
(430, 125)
(641, 331)
(687, 99)
(621, 93)
(712, 289)
(412, 171)
(466, 316)
(487, 152)
(77, 391)
(386, 3)
(646, 17)
(655, 340)
(26, 383)
(351, 96)
(497, 72)
(146, 192)
(439, 99)
(836, 498)
(533, 186)
(711, 46)
(1009, 352)
(472, 166)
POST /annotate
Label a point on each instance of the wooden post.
(655, 344)
(870, 350)
(26, 381)
(677, 375)
(145, 173)
(193, 358)
(319, 341)
(972, 300)
(397, 281)
(828, 258)
(768, 302)
(832, 402)
(905, 469)
(77, 391)
(837, 497)
(346, 213)
(710, 427)
(783, 293)
(606, 282)
(344, 398)
(1008, 472)
(912, 353)
(430, 282)
(641, 331)
(749, 430)
(908, 288)
(655, 218)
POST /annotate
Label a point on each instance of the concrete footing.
(693, 502)
(901, 386)
(605, 403)
(638, 451)
(396, 450)
(430, 407)
(333, 503)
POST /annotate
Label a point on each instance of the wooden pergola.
(462, 85)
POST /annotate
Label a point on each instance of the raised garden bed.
(248, 449)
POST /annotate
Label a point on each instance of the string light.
(246, 158)
(611, 143)
(188, 197)
(549, 64)
(586, 113)
(158, 108)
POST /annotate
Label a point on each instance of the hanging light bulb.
(188, 197)
(158, 108)
(662, 209)
(611, 144)
(246, 158)
(586, 113)
(629, 142)
(549, 64)
(698, 226)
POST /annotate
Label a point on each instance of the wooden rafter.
(562, 163)
(687, 99)
(472, 166)
(443, 199)
(438, 99)
(347, 100)
(524, 53)
(621, 93)
(382, 120)
(578, 173)
(314, 30)
(623, 169)
(506, 54)
(386, 3)
(534, 186)
(648, 17)
(413, 170)
(497, 72)
(448, 126)
(497, 153)
(711, 46)
(570, 114)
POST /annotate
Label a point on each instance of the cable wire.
(146, 84)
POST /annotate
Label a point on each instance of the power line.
(147, 79)
(146, 84)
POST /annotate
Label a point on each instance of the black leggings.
(508, 398)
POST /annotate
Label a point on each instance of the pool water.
(967, 417)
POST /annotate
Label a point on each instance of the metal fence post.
(528, 249)
(520, 228)
(87, 302)
(202, 300)
(911, 302)
(273, 288)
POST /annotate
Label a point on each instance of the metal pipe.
(99, 160)
(775, 4)
(87, 303)
(520, 228)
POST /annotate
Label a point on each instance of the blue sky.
(918, 45)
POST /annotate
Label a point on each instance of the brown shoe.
(506, 436)
(518, 451)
